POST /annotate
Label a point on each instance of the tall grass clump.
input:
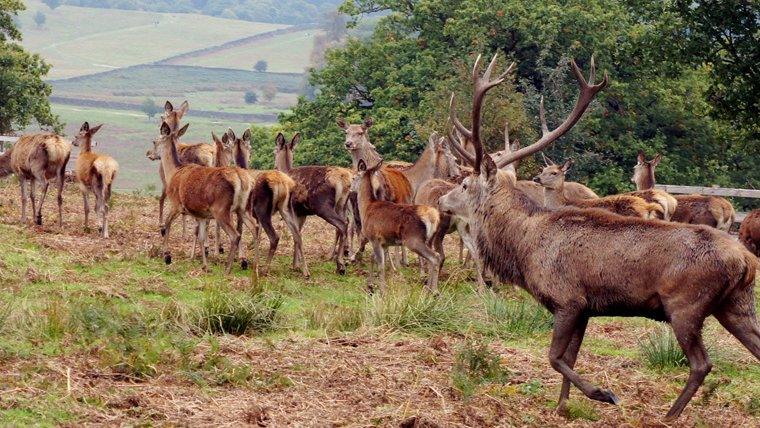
(476, 364)
(332, 317)
(415, 310)
(228, 312)
(660, 349)
(508, 318)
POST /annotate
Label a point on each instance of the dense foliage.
(277, 11)
(23, 94)
(660, 98)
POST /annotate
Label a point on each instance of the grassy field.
(102, 332)
(80, 40)
(286, 53)
(127, 135)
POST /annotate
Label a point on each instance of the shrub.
(510, 318)
(416, 311)
(660, 349)
(475, 364)
(250, 97)
(227, 312)
(261, 66)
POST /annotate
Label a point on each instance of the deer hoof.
(38, 220)
(168, 258)
(221, 250)
(341, 270)
(244, 264)
(205, 251)
(605, 396)
(163, 231)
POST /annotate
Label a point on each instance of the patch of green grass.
(409, 309)
(581, 409)
(510, 318)
(223, 311)
(474, 365)
(660, 349)
(332, 317)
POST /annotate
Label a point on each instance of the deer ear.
(568, 163)
(488, 167)
(361, 165)
(231, 134)
(85, 127)
(295, 140)
(183, 108)
(368, 122)
(168, 107)
(641, 158)
(656, 160)
(182, 130)
(165, 128)
(280, 141)
(95, 129)
(342, 123)
(247, 135)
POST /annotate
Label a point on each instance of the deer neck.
(222, 156)
(422, 170)
(241, 159)
(555, 198)
(170, 159)
(367, 153)
(365, 195)
(86, 145)
(647, 181)
(283, 161)
(5, 163)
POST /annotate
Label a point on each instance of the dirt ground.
(368, 377)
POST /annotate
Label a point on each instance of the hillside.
(103, 333)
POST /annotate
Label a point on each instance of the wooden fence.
(6, 141)
(712, 191)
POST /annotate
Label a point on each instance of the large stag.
(271, 191)
(695, 209)
(95, 173)
(39, 157)
(749, 232)
(320, 190)
(583, 263)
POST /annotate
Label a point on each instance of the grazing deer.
(553, 180)
(204, 192)
(695, 209)
(386, 223)
(95, 173)
(38, 157)
(749, 232)
(199, 153)
(271, 191)
(320, 190)
(583, 263)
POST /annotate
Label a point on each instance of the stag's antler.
(456, 144)
(588, 91)
(481, 85)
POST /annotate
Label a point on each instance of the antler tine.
(506, 135)
(456, 145)
(592, 73)
(481, 86)
(476, 68)
(453, 116)
(586, 95)
(542, 117)
(547, 160)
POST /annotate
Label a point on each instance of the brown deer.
(38, 157)
(749, 232)
(95, 173)
(271, 191)
(199, 153)
(320, 190)
(582, 263)
(553, 179)
(205, 193)
(695, 209)
(386, 223)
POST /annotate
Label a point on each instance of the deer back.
(749, 232)
(40, 152)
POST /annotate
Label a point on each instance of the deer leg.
(379, 259)
(433, 260)
(174, 211)
(59, 196)
(45, 185)
(571, 354)
(404, 257)
(741, 323)
(32, 197)
(566, 321)
(161, 200)
(195, 240)
(467, 241)
(300, 220)
(290, 221)
(218, 237)
(224, 219)
(274, 239)
(184, 226)
(689, 336)
(105, 211)
(241, 248)
(339, 223)
(22, 188)
(86, 198)
(461, 249)
(390, 260)
(202, 234)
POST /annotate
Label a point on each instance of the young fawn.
(95, 173)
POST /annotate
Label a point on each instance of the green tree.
(150, 108)
(261, 66)
(250, 97)
(269, 91)
(23, 93)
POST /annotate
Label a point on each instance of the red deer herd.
(644, 253)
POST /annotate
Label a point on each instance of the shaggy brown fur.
(665, 199)
(749, 232)
(34, 158)
(387, 223)
(581, 263)
(320, 190)
(713, 211)
(553, 180)
(95, 173)
(271, 192)
(205, 193)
